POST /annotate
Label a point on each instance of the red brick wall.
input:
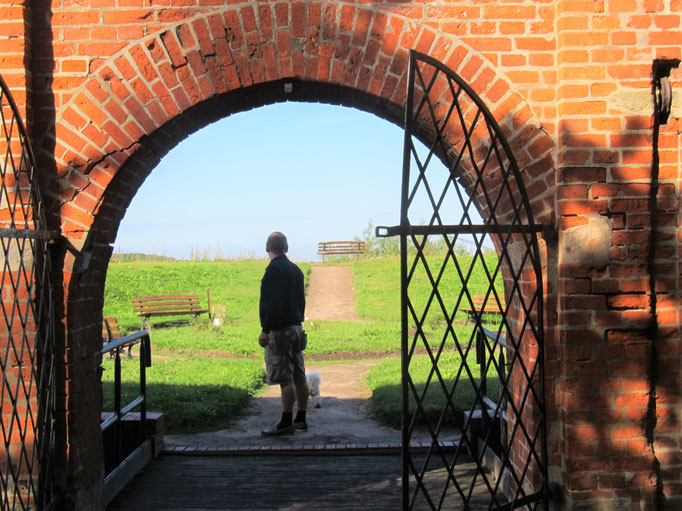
(618, 345)
(15, 49)
(18, 393)
(118, 84)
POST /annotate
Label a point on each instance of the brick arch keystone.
(142, 101)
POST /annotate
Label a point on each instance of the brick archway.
(107, 88)
(156, 91)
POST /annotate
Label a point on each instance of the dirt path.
(330, 294)
(344, 417)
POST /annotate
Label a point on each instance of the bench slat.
(155, 305)
(168, 308)
(174, 313)
(166, 305)
(490, 306)
(360, 243)
(113, 328)
(340, 247)
(164, 298)
(113, 333)
(328, 252)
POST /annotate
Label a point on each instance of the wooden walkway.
(280, 482)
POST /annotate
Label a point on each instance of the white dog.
(314, 388)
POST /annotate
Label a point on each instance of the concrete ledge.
(122, 474)
(155, 426)
(294, 450)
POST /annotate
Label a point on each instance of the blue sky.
(313, 171)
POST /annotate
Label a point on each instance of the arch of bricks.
(153, 93)
(108, 89)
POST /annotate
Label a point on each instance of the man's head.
(276, 244)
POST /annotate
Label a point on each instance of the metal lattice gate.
(27, 393)
(472, 332)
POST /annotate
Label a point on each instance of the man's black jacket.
(282, 295)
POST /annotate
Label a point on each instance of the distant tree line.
(195, 254)
(134, 257)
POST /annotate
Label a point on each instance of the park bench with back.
(147, 307)
(326, 248)
(490, 308)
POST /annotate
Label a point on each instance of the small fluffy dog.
(314, 388)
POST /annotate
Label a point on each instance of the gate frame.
(405, 229)
(39, 449)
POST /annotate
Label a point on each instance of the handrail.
(110, 346)
(141, 401)
(500, 342)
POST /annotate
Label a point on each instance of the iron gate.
(472, 350)
(27, 395)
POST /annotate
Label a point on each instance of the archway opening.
(129, 177)
(316, 172)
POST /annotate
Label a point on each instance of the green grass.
(384, 382)
(240, 339)
(196, 394)
(377, 287)
(199, 388)
(377, 284)
(235, 284)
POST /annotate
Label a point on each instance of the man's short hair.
(277, 243)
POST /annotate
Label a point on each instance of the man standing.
(282, 307)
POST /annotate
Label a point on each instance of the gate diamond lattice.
(27, 393)
(472, 342)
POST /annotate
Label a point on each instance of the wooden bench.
(166, 305)
(491, 306)
(325, 248)
(111, 332)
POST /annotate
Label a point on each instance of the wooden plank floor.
(302, 482)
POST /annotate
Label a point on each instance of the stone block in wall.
(588, 244)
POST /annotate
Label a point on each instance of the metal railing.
(115, 419)
(495, 347)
